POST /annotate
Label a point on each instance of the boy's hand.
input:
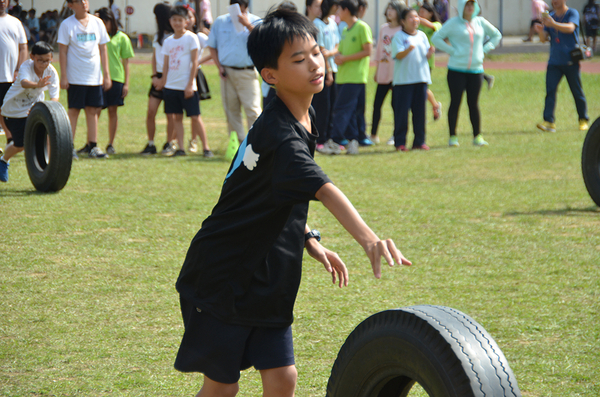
(44, 81)
(388, 250)
(410, 48)
(125, 90)
(332, 262)
(160, 83)
(188, 92)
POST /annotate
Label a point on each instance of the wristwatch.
(312, 234)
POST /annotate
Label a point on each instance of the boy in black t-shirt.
(240, 278)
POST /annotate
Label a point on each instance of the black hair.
(435, 17)
(32, 11)
(406, 11)
(107, 16)
(399, 7)
(350, 5)
(195, 27)
(308, 4)
(266, 41)
(162, 12)
(243, 3)
(180, 11)
(363, 3)
(288, 4)
(326, 7)
(41, 48)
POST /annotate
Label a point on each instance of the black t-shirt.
(245, 263)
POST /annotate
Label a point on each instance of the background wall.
(512, 17)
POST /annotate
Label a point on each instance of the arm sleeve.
(63, 34)
(126, 48)
(366, 36)
(573, 17)
(494, 34)
(296, 176)
(438, 40)
(212, 36)
(397, 45)
(104, 38)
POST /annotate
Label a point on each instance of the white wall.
(514, 19)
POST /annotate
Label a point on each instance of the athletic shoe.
(319, 147)
(179, 152)
(75, 156)
(352, 147)
(375, 139)
(193, 146)
(421, 147)
(148, 150)
(169, 150)
(401, 148)
(490, 81)
(85, 150)
(453, 142)
(208, 154)
(3, 171)
(547, 126)
(1, 131)
(330, 147)
(110, 150)
(344, 142)
(365, 142)
(1, 151)
(437, 112)
(166, 145)
(479, 141)
(391, 141)
(96, 153)
(583, 125)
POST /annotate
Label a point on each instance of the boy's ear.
(269, 76)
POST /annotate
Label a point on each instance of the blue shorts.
(82, 96)
(176, 103)
(17, 130)
(220, 350)
(153, 91)
(114, 96)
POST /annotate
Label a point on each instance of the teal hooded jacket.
(466, 48)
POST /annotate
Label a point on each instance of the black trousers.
(458, 83)
(380, 94)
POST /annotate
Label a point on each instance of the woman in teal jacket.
(463, 38)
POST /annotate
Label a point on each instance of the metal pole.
(501, 22)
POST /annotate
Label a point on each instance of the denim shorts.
(220, 350)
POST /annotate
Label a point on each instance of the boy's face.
(3, 6)
(178, 23)
(79, 6)
(344, 14)
(41, 62)
(300, 68)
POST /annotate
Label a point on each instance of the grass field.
(505, 233)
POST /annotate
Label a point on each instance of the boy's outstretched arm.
(332, 262)
(339, 205)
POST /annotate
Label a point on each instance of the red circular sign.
(129, 10)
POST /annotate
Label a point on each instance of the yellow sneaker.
(583, 125)
(547, 126)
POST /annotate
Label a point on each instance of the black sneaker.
(166, 145)
(85, 150)
(110, 149)
(96, 153)
(208, 154)
(148, 150)
(179, 152)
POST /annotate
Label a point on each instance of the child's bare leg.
(73, 117)
(6, 131)
(10, 150)
(171, 132)
(91, 120)
(178, 119)
(279, 382)
(211, 388)
(153, 104)
(434, 104)
(113, 122)
(198, 130)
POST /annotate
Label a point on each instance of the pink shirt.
(537, 7)
(383, 54)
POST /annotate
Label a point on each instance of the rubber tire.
(590, 161)
(48, 173)
(448, 353)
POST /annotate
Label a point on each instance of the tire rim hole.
(41, 147)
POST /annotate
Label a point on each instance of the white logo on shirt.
(250, 158)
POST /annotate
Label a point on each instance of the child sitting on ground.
(36, 75)
(240, 278)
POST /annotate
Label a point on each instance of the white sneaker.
(352, 147)
(193, 148)
(331, 147)
(391, 141)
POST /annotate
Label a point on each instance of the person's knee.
(217, 389)
(280, 381)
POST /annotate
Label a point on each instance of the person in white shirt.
(178, 82)
(36, 76)
(84, 69)
(13, 52)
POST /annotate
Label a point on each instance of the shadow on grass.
(560, 212)
(24, 193)
(156, 157)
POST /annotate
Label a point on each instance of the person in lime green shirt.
(353, 69)
(119, 51)
(430, 23)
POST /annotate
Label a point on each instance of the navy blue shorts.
(114, 96)
(220, 351)
(176, 103)
(82, 96)
(17, 130)
(4, 87)
(153, 91)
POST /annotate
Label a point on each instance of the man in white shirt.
(13, 52)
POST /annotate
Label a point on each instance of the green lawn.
(505, 233)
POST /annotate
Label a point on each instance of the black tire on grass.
(448, 353)
(48, 146)
(590, 161)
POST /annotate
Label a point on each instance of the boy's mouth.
(318, 78)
